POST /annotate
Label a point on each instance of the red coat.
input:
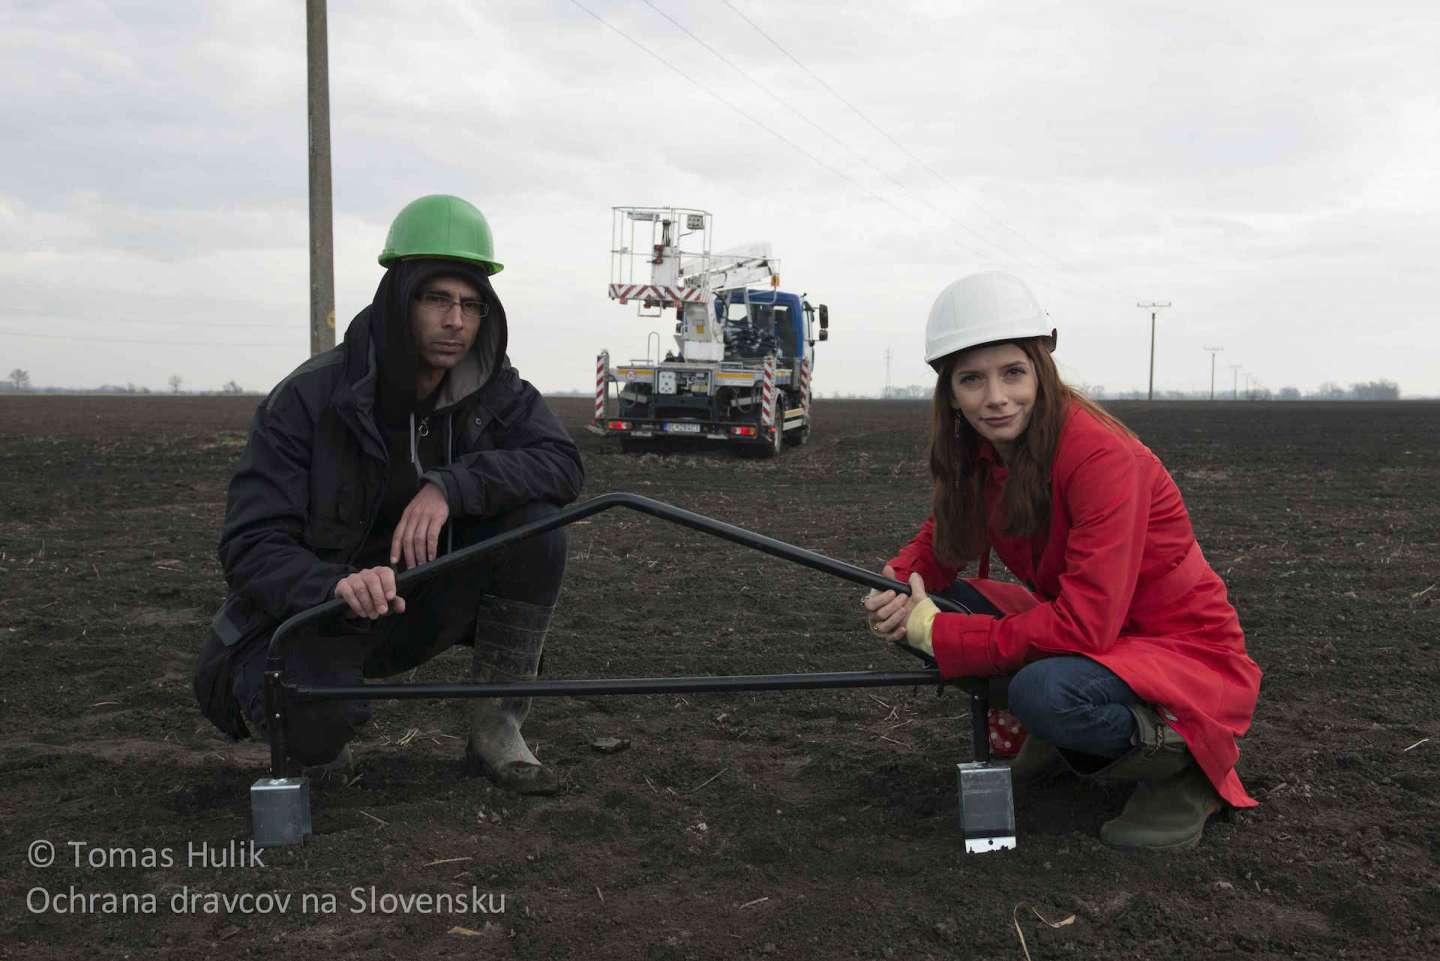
(1119, 579)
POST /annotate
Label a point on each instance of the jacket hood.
(381, 342)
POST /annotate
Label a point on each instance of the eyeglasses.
(439, 303)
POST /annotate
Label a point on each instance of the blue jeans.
(1075, 704)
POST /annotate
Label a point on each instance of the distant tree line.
(1371, 390)
(19, 382)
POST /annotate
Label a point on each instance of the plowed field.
(815, 825)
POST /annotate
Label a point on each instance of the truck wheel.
(798, 437)
(773, 449)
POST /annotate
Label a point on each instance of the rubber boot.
(1165, 815)
(1172, 799)
(1157, 751)
(509, 636)
(1037, 762)
(342, 764)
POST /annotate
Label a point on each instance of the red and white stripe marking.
(656, 292)
(805, 388)
(602, 364)
(767, 407)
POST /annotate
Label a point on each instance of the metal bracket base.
(987, 806)
(982, 845)
(280, 811)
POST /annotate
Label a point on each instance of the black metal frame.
(279, 694)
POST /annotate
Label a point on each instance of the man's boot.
(1172, 799)
(338, 768)
(509, 636)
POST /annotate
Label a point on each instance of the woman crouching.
(1128, 660)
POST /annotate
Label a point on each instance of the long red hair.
(959, 474)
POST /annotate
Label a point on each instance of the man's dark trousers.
(438, 615)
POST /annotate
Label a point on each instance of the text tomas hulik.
(196, 854)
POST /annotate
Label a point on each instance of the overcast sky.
(1269, 168)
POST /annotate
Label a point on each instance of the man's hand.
(417, 536)
(370, 593)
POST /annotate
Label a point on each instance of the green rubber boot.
(1172, 799)
(1164, 815)
(509, 636)
(1037, 762)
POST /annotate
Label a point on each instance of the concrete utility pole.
(322, 234)
(1154, 309)
(1235, 388)
(1213, 352)
(886, 392)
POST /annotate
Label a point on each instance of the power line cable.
(759, 123)
(984, 255)
(866, 117)
(842, 144)
(887, 135)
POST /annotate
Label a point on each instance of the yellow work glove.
(918, 624)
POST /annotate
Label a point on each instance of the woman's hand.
(887, 611)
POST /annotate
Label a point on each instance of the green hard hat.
(441, 226)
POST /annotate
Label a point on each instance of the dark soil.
(815, 825)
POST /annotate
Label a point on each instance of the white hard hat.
(981, 309)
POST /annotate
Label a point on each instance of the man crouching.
(412, 434)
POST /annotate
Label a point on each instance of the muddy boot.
(338, 768)
(1037, 762)
(509, 636)
(1172, 799)
(1165, 815)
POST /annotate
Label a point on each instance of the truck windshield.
(759, 330)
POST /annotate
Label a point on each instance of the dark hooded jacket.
(304, 501)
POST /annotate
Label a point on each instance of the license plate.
(682, 428)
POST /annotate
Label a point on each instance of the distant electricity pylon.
(887, 373)
(322, 231)
(1213, 352)
(1235, 389)
(1154, 309)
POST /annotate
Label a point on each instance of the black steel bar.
(275, 659)
(276, 702)
(621, 685)
(980, 722)
(576, 512)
